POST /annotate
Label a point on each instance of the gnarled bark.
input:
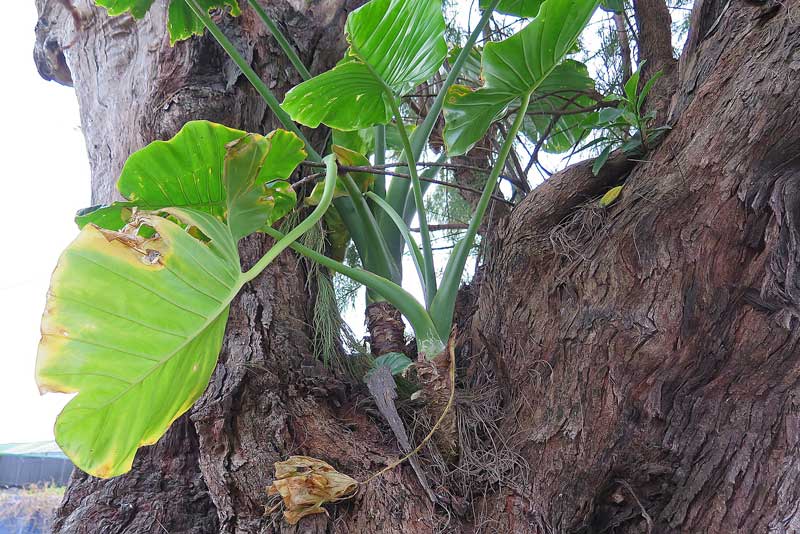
(670, 398)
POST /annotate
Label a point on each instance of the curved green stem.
(250, 74)
(416, 255)
(380, 159)
(283, 42)
(377, 257)
(304, 226)
(429, 270)
(420, 321)
(444, 303)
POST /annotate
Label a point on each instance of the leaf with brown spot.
(134, 325)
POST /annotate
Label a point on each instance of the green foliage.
(397, 362)
(513, 68)
(187, 171)
(134, 320)
(255, 174)
(625, 126)
(134, 326)
(394, 46)
(515, 8)
(181, 20)
(138, 303)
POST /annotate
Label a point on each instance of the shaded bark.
(645, 382)
(669, 397)
(386, 329)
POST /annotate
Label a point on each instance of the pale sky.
(46, 179)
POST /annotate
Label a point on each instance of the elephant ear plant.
(138, 303)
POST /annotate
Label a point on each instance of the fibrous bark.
(669, 345)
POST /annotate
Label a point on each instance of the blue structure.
(41, 462)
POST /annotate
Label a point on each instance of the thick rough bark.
(669, 345)
(386, 329)
(644, 378)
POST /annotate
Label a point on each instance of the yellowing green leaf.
(610, 197)
(194, 169)
(250, 161)
(134, 327)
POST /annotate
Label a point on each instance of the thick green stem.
(377, 258)
(287, 48)
(421, 322)
(442, 308)
(380, 159)
(331, 173)
(429, 270)
(399, 189)
(250, 74)
(402, 227)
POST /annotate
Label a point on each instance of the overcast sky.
(46, 179)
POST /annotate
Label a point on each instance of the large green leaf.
(181, 21)
(347, 97)
(394, 44)
(563, 91)
(249, 163)
(513, 68)
(134, 326)
(187, 171)
(515, 8)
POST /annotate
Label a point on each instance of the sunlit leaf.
(515, 8)
(610, 197)
(251, 161)
(187, 171)
(512, 68)
(134, 327)
(393, 43)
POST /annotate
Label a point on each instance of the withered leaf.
(306, 483)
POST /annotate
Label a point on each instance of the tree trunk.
(646, 381)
